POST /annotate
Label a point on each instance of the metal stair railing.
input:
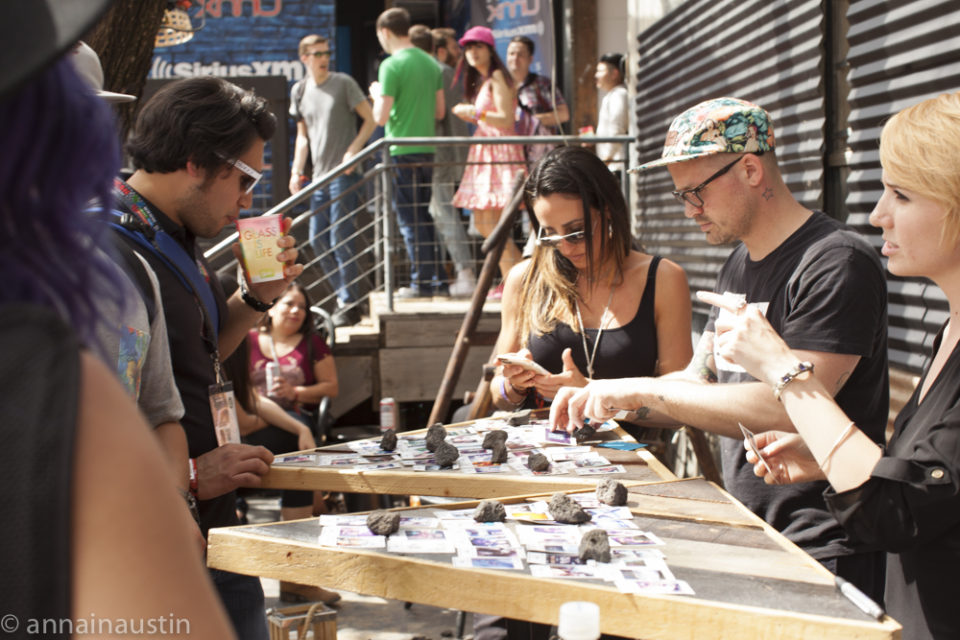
(379, 253)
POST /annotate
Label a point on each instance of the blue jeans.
(334, 226)
(412, 197)
(242, 597)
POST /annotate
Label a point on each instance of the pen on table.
(859, 598)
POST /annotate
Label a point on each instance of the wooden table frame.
(750, 581)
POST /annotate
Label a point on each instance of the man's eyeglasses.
(248, 181)
(320, 54)
(693, 195)
(574, 237)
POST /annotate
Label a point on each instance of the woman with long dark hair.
(491, 168)
(587, 304)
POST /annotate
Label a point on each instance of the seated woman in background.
(307, 374)
(586, 304)
(904, 498)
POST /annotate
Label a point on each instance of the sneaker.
(496, 293)
(346, 317)
(464, 285)
(406, 292)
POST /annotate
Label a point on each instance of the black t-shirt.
(40, 380)
(911, 507)
(190, 356)
(825, 290)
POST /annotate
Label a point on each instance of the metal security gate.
(766, 52)
(900, 53)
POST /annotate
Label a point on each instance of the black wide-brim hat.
(34, 33)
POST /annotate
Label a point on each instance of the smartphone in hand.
(530, 365)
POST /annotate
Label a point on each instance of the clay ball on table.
(490, 511)
(595, 545)
(389, 440)
(499, 453)
(538, 462)
(566, 510)
(611, 492)
(446, 454)
(435, 435)
(493, 437)
(383, 523)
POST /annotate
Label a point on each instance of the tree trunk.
(123, 39)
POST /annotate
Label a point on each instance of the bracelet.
(194, 476)
(481, 116)
(503, 393)
(836, 443)
(253, 302)
(790, 376)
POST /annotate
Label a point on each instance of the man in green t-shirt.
(408, 100)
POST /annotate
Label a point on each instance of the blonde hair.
(920, 151)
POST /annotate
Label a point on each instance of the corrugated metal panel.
(766, 52)
(900, 53)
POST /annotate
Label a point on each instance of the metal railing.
(366, 234)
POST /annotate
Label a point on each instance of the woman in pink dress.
(491, 168)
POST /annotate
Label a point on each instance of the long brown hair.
(549, 285)
(473, 80)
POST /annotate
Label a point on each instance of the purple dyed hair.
(60, 154)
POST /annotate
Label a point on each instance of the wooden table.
(750, 582)
(641, 466)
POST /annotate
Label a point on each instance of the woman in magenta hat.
(491, 168)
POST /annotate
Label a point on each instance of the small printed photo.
(563, 571)
(488, 563)
(295, 459)
(561, 437)
(538, 557)
(597, 471)
(628, 538)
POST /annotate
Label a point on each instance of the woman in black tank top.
(586, 304)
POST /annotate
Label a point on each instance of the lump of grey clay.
(499, 453)
(611, 492)
(565, 509)
(594, 545)
(446, 454)
(383, 523)
(584, 433)
(490, 511)
(435, 435)
(389, 440)
(493, 437)
(519, 418)
(538, 462)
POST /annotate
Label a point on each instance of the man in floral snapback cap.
(819, 284)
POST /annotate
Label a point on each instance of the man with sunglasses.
(197, 152)
(821, 286)
(325, 105)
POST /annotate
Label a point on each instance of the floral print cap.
(721, 125)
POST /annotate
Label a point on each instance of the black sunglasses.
(693, 195)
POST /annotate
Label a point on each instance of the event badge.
(223, 406)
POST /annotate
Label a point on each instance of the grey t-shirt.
(138, 351)
(328, 111)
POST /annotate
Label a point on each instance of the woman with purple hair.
(99, 531)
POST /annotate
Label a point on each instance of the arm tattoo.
(642, 413)
(701, 366)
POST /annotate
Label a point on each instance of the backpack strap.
(159, 243)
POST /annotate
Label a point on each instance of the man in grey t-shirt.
(325, 105)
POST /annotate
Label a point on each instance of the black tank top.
(39, 387)
(624, 352)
